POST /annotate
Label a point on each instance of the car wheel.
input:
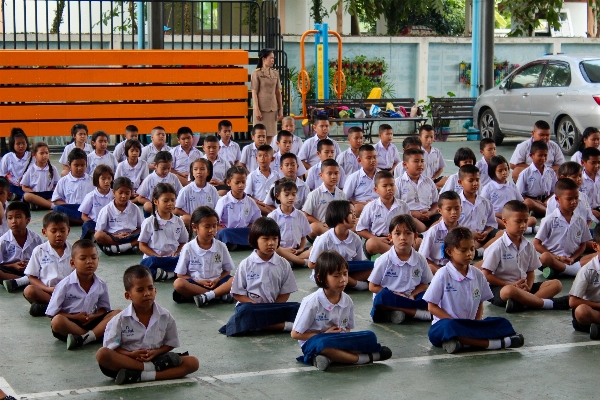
(489, 128)
(568, 136)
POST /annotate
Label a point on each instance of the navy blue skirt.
(358, 266)
(165, 263)
(251, 317)
(237, 236)
(388, 298)
(488, 328)
(363, 341)
(72, 210)
(17, 191)
(44, 195)
(87, 227)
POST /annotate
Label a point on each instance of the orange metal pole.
(302, 69)
(339, 83)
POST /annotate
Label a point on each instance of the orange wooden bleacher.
(45, 92)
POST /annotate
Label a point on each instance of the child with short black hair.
(100, 155)
(80, 305)
(509, 265)
(536, 182)
(204, 267)
(136, 350)
(13, 163)
(284, 142)
(4, 193)
(288, 169)
(562, 236)
(359, 187)
(131, 133)
(49, 264)
(308, 152)
(40, 179)
(259, 138)
(95, 200)
(410, 142)
(260, 180)
(158, 144)
(325, 318)
(463, 156)
(262, 285)
(79, 133)
(348, 159)
(133, 168)
(590, 160)
(456, 296)
(400, 276)
(163, 161)
(341, 220)
(288, 124)
(325, 151)
(220, 166)
(434, 160)
(487, 149)
(72, 188)
(387, 153)
(184, 154)
(16, 246)
(229, 150)
(590, 139)
(572, 170)
(197, 193)
(118, 224)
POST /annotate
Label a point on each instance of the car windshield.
(592, 70)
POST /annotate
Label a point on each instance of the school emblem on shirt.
(177, 231)
(127, 332)
(252, 276)
(449, 288)
(321, 317)
(344, 323)
(209, 199)
(253, 296)
(416, 273)
(391, 274)
(476, 294)
(246, 212)
(217, 258)
(507, 256)
(578, 234)
(377, 216)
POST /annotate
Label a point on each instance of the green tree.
(526, 14)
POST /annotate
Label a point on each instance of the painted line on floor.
(6, 388)
(241, 375)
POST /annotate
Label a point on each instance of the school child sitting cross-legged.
(536, 182)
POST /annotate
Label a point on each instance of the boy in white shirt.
(163, 161)
(348, 159)
(220, 166)
(284, 142)
(131, 133)
(359, 187)
(411, 142)
(259, 137)
(100, 155)
(138, 341)
(572, 170)
(487, 148)
(50, 262)
(463, 156)
(184, 154)
(536, 182)
(260, 180)
(509, 265)
(308, 152)
(590, 160)
(159, 138)
(288, 124)
(387, 153)
(288, 169)
(325, 151)
(4, 194)
(434, 160)
(72, 188)
(228, 149)
(80, 306)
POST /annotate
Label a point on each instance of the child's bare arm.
(375, 288)
(420, 288)
(35, 281)
(366, 234)
(433, 209)
(282, 298)
(147, 250)
(180, 212)
(310, 218)
(575, 301)
(439, 312)
(178, 249)
(578, 252)
(85, 217)
(437, 173)
(479, 314)
(302, 336)
(539, 247)
(26, 189)
(242, 298)
(59, 202)
(493, 279)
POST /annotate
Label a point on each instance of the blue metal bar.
(475, 36)
(325, 34)
(141, 25)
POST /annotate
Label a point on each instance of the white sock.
(22, 281)
(170, 275)
(548, 304)
(572, 269)
(89, 337)
(423, 315)
(376, 356)
(149, 366)
(507, 342)
(363, 359)
(210, 295)
(529, 230)
(148, 376)
(288, 326)
(125, 246)
(479, 252)
(362, 285)
(306, 263)
(494, 344)
(113, 248)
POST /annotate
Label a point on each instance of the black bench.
(365, 104)
(451, 109)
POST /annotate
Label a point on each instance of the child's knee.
(192, 364)
(29, 292)
(179, 284)
(103, 355)
(508, 292)
(556, 285)
(582, 312)
(186, 220)
(148, 207)
(58, 321)
(546, 258)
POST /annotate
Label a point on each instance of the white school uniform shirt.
(499, 194)
(386, 158)
(276, 165)
(401, 276)
(46, 265)
(434, 160)
(148, 152)
(584, 209)
(182, 160)
(350, 248)
(164, 241)
(204, 264)
(249, 157)
(376, 217)
(93, 160)
(484, 177)
(231, 153)
(313, 180)
(263, 281)
(576, 157)
(293, 227)
(136, 174)
(257, 185)
(477, 216)
(95, 201)
(69, 297)
(533, 183)
(64, 158)
(459, 296)
(452, 184)
(418, 196)
(591, 187)
(234, 213)
(301, 195)
(12, 167)
(147, 187)
(220, 167)
(113, 221)
(523, 149)
(360, 187)
(348, 161)
(4, 222)
(10, 251)
(192, 197)
(317, 201)
(38, 179)
(119, 151)
(560, 237)
(509, 263)
(399, 170)
(433, 240)
(72, 190)
(125, 330)
(296, 143)
(308, 151)
(586, 284)
(317, 314)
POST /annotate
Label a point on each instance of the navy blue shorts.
(497, 301)
(94, 323)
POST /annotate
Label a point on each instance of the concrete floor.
(35, 365)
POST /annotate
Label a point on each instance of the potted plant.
(443, 131)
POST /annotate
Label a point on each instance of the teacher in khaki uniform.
(266, 93)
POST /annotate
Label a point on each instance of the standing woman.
(266, 93)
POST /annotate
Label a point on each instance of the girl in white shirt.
(13, 163)
(133, 167)
(39, 178)
(198, 193)
(79, 132)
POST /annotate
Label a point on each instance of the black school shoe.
(516, 341)
(513, 306)
(10, 285)
(75, 341)
(128, 376)
(38, 310)
(166, 361)
(560, 303)
(594, 331)
(385, 353)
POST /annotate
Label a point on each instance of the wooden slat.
(121, 75)
(122, 57)
(74, 112)
(117, 127)
(120, 93)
